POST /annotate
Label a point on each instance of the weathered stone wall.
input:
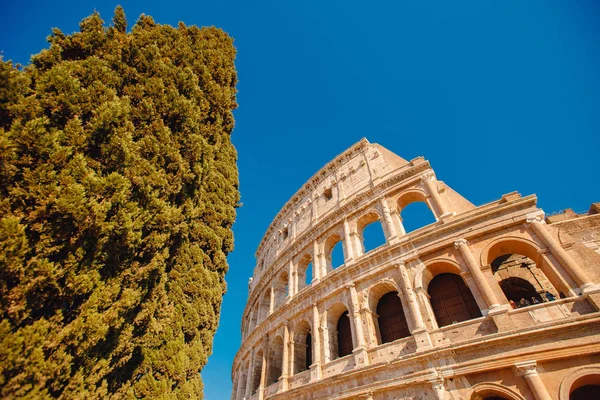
(512, 353)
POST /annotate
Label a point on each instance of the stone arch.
(275, 360)
(331, 242)
(302, 346)
(253, 318)
(542, 275)
(411, 196)
(256, 371)
(450, 297)
(582, 376)
(242, 379)
(303, 263)
(280, 286)
(334, 314)
(433, 268)
(373, 295)
(264, 305)
(481, 391)
(368, 218)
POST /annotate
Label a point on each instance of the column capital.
(537, 216)
(314, 304)
(350, 285)
(525, 368)
(428, 176)
(459, 242)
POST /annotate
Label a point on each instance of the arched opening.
(308, 350)
(243, 380)
(391, 318)
(334, 252)
(416, 215)
(370, 233)
(304, 271)
(493, 391)
(519, 292)
(258, 361)
(521, 281)
(281, 289)
(414, 211)
(344, 335)
(264, 307)
(586, 392)
(517, 257)
(302, 348)
(308, 274)
(275, 360)
(253, 318)
(373, 236)
(585, 388)
(451, 300)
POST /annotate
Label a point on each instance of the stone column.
(291, 291)
(292, 352)
(263, 370)
(325, 335)
(484, 287)
(272, 303)
(437, 385)
(240, 385)
(539, 228)
(250, 376)
(390, 230)
(430, 184)
(236, 379)
(425, 300)
(316, 263)
(315, 368)
(397, 218)
(348, 250)
(415, 311)
(528, 370)
(359, 351)
(285, 358)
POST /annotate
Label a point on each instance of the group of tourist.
(534, 300)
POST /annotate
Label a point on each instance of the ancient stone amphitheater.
(496, 301)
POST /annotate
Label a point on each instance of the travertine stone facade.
(494, 301)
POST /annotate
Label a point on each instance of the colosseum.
(497, 301)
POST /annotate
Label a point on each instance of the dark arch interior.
(308, 350)
(451, 300)
(586, 392)
(344, 335)
(516, 289)
(392, 322)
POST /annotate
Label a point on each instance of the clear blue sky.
(499, 96)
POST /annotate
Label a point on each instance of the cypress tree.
(118, 189)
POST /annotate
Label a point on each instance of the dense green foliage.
(118, 189)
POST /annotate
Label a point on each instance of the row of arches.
(369, 233)
(448, 299)
(521, 279)
(451, 302)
